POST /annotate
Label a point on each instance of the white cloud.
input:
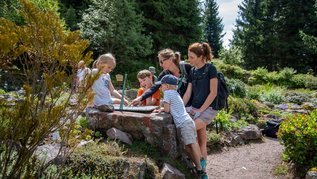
(228, 10)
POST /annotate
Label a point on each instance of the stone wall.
(156, 129)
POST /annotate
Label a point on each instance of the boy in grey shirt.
(173, 103)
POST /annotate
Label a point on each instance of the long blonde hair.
(168, 53)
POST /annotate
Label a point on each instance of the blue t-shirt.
(201, 84)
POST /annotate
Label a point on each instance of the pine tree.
(213, 27)
(114, 26)
(172, 23)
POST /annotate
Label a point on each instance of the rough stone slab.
(156, 129)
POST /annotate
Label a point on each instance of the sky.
(228, 11)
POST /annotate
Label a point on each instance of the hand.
(136, 101)
(194, 113)
(126, 102)
(156, 111)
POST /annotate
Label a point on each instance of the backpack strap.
(184, 75)
(183, 69)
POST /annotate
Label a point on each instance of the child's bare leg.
(195, 154)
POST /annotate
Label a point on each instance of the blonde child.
(146, 81)
(173, 104)
(102, 87)
(82, 73)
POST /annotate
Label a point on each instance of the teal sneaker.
(203, 164)
(205, 176)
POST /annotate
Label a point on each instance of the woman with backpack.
(202, 88)
(170, 62)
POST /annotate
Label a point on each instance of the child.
(102, 87)
(145, 78)
(82, 73)
(173, 103)
(152, 70)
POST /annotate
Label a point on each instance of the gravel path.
(252, 161)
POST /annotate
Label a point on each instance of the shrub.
(236, 88)
(304, 81)
(243, 108)
(231, 71)
(258, 76)
(286, 75)
(299, 135)
(296, 97)
(231, 56)
(272, 94)
(45, 51)
(105, 161)
(214, 141)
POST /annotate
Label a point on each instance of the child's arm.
(166, 107)
(188, 93)
(115, 93)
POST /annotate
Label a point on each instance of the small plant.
(236, 88)
(297, 97)
(281, 169)
(82, 121)
(299, 135)
(214, 141)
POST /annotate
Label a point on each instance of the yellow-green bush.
(299, 135)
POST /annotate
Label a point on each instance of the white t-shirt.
(177, 108)
(101, 90)
(81, 75)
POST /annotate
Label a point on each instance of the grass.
(280, 169)
(142, 149)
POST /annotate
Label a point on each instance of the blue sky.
(228, 11)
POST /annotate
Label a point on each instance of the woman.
(202, 88)
(169, 61)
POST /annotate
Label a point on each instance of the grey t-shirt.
(201, 84)
(101, 90)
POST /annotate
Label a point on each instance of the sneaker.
(205, 176)
(203, 164)
(200, 174)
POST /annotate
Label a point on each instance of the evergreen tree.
(114, 26)
(213, 27)
(172, 23)
(267, 32)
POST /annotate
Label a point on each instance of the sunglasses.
(161, 61)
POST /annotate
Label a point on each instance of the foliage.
(115, 26)
(231, 56)
(223, 119)
(258, 76)
(273, 94)
(296, 97)
(236, 88)
(175, 24)
(104, 160)
(214, 140)
(243, 108)
(299, 135)
(232, 71)
(268, 33)
(304, 81)
(213, 27)
(45, 51)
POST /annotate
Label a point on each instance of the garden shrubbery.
(299, 135)
(236, 88)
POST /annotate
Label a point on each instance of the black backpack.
(222, 92)
(271, 128)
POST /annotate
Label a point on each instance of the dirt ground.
(251, 161)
